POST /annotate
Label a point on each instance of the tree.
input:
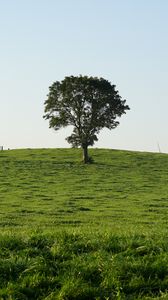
(89, 104)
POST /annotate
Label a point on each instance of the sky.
(123, 41)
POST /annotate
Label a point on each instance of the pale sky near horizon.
(123, 41)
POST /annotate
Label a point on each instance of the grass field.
(73, 231)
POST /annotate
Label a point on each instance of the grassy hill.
(75, 231)
(51, 189)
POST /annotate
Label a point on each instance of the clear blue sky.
(124, 41)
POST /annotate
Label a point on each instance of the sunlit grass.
(52, 188)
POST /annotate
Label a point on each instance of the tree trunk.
(85, 154)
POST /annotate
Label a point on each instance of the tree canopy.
(89, 104)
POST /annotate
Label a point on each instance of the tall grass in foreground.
(82, 266)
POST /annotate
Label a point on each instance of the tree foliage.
(89, 104)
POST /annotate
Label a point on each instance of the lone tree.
(88, 104)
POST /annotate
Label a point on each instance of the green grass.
(71, 231)
(83, 266)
